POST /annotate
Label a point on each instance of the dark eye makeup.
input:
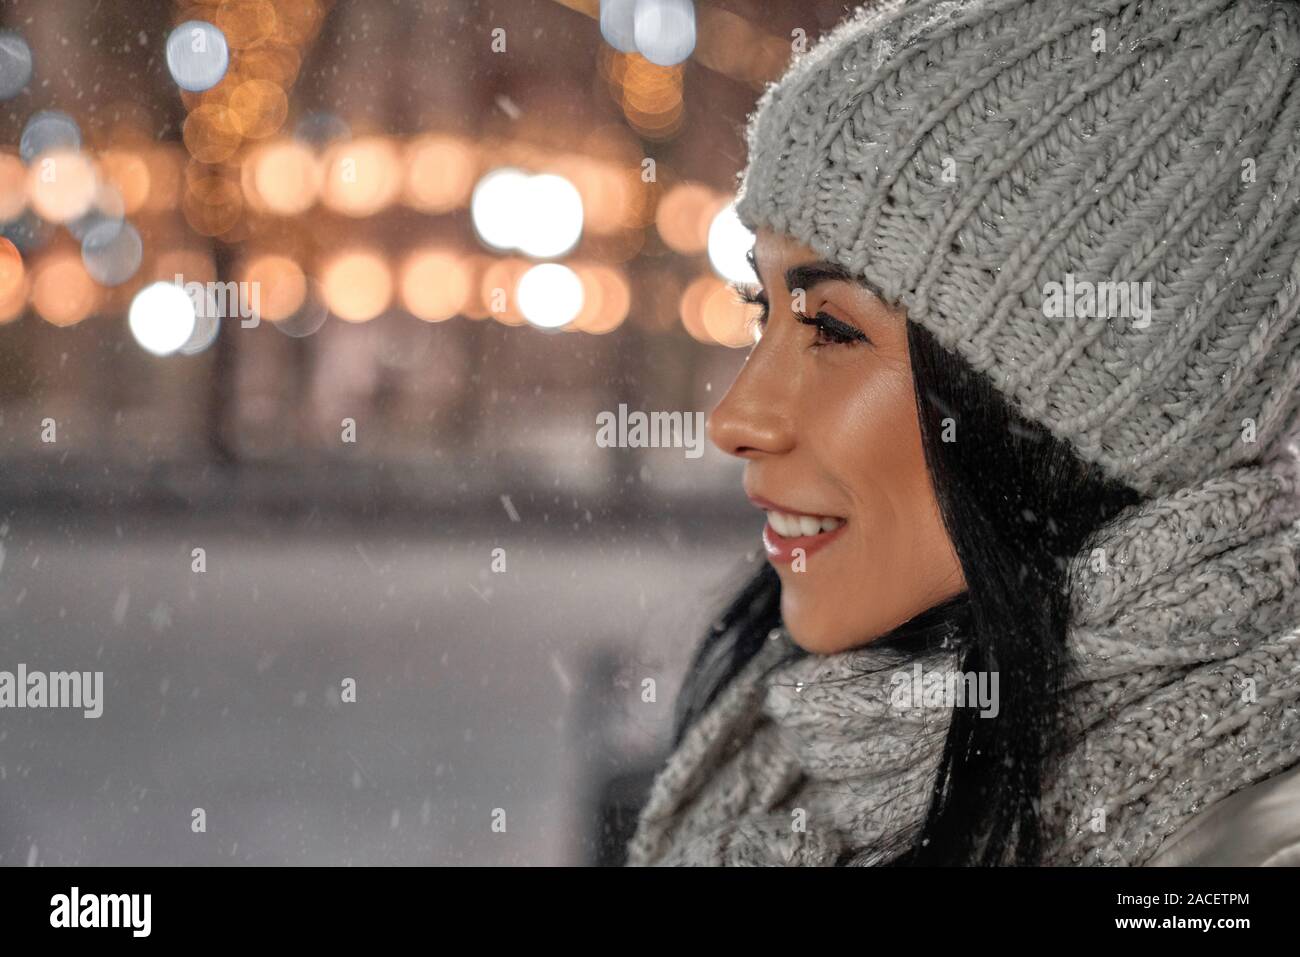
(830, 331)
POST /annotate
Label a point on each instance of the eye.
(832, 331)
(751, 296)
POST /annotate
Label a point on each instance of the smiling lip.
(788, 530)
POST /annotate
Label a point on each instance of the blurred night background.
(470, 227)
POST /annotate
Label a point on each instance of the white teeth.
(793, 526)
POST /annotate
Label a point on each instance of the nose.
(755, 417)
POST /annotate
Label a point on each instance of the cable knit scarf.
(1184, 688)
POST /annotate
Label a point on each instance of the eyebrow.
(808, 275)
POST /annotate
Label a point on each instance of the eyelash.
(830, 331)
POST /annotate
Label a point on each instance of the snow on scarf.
(1185, 648)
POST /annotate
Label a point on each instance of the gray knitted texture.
(962, 156)
(1184, 688)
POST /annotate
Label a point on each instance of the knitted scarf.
(1183, 688)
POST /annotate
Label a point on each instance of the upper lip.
(769, 506)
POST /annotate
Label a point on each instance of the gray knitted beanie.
(1094, 203)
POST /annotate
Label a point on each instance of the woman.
(1021, 416)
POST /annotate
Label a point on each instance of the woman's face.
(824, 415)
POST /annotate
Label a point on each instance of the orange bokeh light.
(362, 176)
(498, 290)
(211, 133)
(129, 174)
(606, 299)
(260, 108)
(165, 165)
(285, 177)
(61, 185)
(212, 205)
(691, 308)
(246, 23)
(282, 286)
(682, 217)
(725, 317)
(63, 293)
(440, 173)
(13, 281)
(13, 186)
(435, 284)
(357, 285)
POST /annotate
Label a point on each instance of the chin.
(821, 633)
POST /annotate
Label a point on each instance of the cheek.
(871, 446)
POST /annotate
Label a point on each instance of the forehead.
(774, 253)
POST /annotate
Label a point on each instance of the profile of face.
(824, 415)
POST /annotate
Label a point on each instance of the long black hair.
(1018, 504)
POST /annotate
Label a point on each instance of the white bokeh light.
(664, 30)
(616, 24)
(495, 206)
(551, 218)
(729, 243)
(162, 318)
(550, 295)
(541, 216)
(197, 55)
(15, 64)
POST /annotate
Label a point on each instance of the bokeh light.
(362, 176)
(440, 173)
(434, 284)
(357, 285)
(63, 293)
(212, 204)
(13, 187)
(617, 24)
(13, 281)
(164, 163)
(207, 325)
(309, 317)
(540, 215)
(49, 131)
(111, 252)
(606, 299)
(691, 307)
(725, 318)
(550, 295)
(551, 219)
(247, 23)
(285, 177)
(282, 286)
(684, 215)
(197, 56)
(260, 108)
(162, 318)
(15, 64)
(495, 205)
(729, 243)
(664, 30)
(211, 133)
(61, 185)
(499, 289)
(128, 172)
